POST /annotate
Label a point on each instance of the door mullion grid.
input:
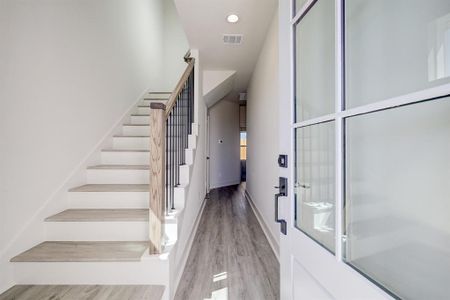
(340, 116)
(337, 116)
(293, 153)
(302, 11)
(292, 146)
(339, 138)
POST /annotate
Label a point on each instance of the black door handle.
(283, 224)
(282, 186)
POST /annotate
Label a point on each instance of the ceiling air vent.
(232, 39)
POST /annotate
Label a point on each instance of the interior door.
(354, 114)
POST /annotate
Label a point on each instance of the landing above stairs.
(83, 252)
(84, 292)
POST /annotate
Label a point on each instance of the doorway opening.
(243, 139)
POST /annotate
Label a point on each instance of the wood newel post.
(157, 175)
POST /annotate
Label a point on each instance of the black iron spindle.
(178, 128)
(166, 189)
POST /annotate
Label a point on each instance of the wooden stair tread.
(123, 150)
(155, 99)
(132, 136)
(100, 215)
(111, 188)
(127, 124)
(82, 251)
(84, 292)
(145, 124)
(119, 167)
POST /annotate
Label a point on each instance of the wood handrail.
(179, 87)
(168, 118)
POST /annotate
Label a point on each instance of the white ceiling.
(204, 22)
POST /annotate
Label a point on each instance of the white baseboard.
(272, 241)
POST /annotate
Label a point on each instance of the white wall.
(175, 46)
(217, 85)
(224, 144)
(262, 131)
(68, 71)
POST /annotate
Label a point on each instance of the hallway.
(230, 257)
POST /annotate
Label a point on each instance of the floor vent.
(233, 39)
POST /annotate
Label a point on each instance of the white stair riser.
(190, 153)
(148, 102)
(131, 143)
(109, 200)
(171, 228)
(141, 143)
(192, 141)
(151, 271)
(157, 96)
(195, 129)
(106, 176)
(140, 119)
(143, 110)
(125, 158)
(184, 174)
(97, 231)
(179, 197)
(136, 130)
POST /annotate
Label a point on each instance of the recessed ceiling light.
(232, 18)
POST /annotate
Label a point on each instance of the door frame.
(321, 265)
(207, 150)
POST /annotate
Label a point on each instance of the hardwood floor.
(231, 258)
(83, 292)
(81, 251)
(100, 215)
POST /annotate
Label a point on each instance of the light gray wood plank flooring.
(111, 188)
(100, 215)
(230, 257)
(83, 252)
(84, 292)
(119, 167)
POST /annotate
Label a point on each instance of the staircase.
(102, 238)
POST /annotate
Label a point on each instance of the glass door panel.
(315, 62)
(397, 198)
(395, 47)
(314, 186)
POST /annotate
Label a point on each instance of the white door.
(365, 121)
